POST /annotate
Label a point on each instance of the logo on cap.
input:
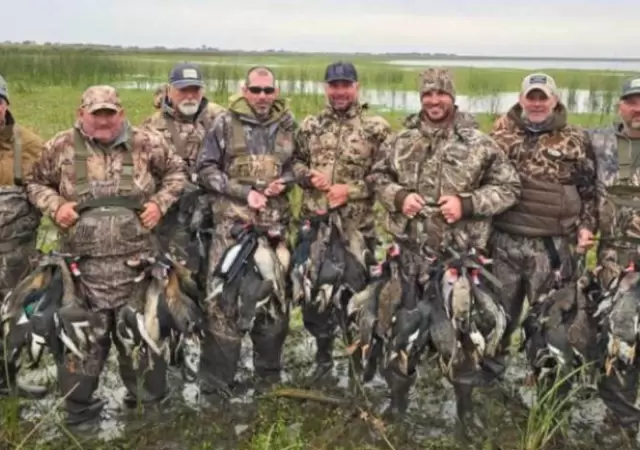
(538, 79)
(189, 73)
(634, 83)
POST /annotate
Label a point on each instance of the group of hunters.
(529, 195)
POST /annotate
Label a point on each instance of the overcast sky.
(598, 28)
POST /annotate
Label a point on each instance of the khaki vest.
(258, 170)
(108, 225)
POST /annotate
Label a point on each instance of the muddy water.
(431, 417)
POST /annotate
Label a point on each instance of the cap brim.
(549, 92)
(5, 95)
(629, 93)
(187, 83)
(99, 106)
(349, 80)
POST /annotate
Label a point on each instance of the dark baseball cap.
(630, 87)
(185, 74)
(340, 71)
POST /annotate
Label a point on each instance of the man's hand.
(451, 208)
(412, 204)
(151, 215)
(585, 240)
(319, 180)
(338, 195)
(274, 188)
(66, 215)
(256, 200)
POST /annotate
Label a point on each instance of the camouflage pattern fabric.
(617, 168)
(432, 162)
(184, 136)
(558, 153)
(108, 241)
(343, 147)
(241, 153)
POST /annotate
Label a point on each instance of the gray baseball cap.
(4, 89)
(186, 74)
(630, 87)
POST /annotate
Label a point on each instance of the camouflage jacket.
(73, 167)
(185, 135)
(559, 153)
(619, 213)
(19, 219)
(344, 147)
(459, 160)
(241, 153)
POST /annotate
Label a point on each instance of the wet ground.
(251, 421)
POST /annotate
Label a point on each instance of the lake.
(577, 101)
(526, 64)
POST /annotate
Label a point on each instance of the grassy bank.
(45, 86)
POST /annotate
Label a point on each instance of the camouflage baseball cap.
(437, 79)
(4, 89)
(540, 81)
(101, 97)
(630, 87)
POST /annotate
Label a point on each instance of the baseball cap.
(101, 97)
(185, 74)
(340, 71)
(4, 89)
(630, 87)
(541, 81)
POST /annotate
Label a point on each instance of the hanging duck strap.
(17, 157)
(124, 198)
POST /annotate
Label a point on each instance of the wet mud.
(254, 420)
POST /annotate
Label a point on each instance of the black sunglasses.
(257, 89)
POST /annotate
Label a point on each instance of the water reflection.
(578, 101)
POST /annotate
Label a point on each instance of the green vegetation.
(45, 85)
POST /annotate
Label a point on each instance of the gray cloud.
(497, 27)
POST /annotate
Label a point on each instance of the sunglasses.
(257, 89)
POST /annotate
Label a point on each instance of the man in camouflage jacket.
(334, 153)
(103, 156)
(531, 242)
(183, 118)
(19, 219)
(617, 151)
(440, 157)
(244, 167)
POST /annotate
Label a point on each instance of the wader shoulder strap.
(17, 156)
(80, 157)
(238, 140)
(175, 138)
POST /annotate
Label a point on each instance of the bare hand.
(66, 215)
(256, 200)
(151, 215)
(451, 208)
(585, 240)
(274, 188)
(320, 181)
(338, 195)
(412, 204)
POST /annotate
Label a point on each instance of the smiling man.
(440, 180)
(531, 241)
(334, 153)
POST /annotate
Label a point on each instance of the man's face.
(537, 105)
(629, 111)
(341, 94)
(436, 105)
(103, 125)
(3, 108)
(187, 99)
(260, 92)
